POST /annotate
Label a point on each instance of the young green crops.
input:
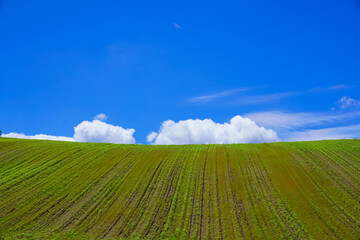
(64, 190)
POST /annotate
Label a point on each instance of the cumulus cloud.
(100, 116)
(345, 132)
(94, 131)
(151, 136)
(239, 130)
(98, 131)
(37, 136)
(346, 102)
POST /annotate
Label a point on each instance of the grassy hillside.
(245, 191)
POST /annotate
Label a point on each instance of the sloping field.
(243, 191)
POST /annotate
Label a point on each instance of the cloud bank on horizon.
(239, 130)
(37, 136)
(257, 127)
(86, 131)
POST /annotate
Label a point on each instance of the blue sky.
(144, 62)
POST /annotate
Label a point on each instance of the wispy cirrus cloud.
(265, 98)
(241, 96)
(286, 120)
(336, 87)
(273, 97)
(309, 126)
(344, 132)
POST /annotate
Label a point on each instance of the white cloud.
(37, 136)
(177, 26)
(151, 136)
(95, 131)
(290, 126)
(100, 116)
(346, 132)
(239, 130)
(346, 102)
(246, 99)
(273, 97)
(266, 98)
(287, 120)
(215, 96)
(336, 87)
(98, 131)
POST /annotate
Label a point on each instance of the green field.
(64, 190)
